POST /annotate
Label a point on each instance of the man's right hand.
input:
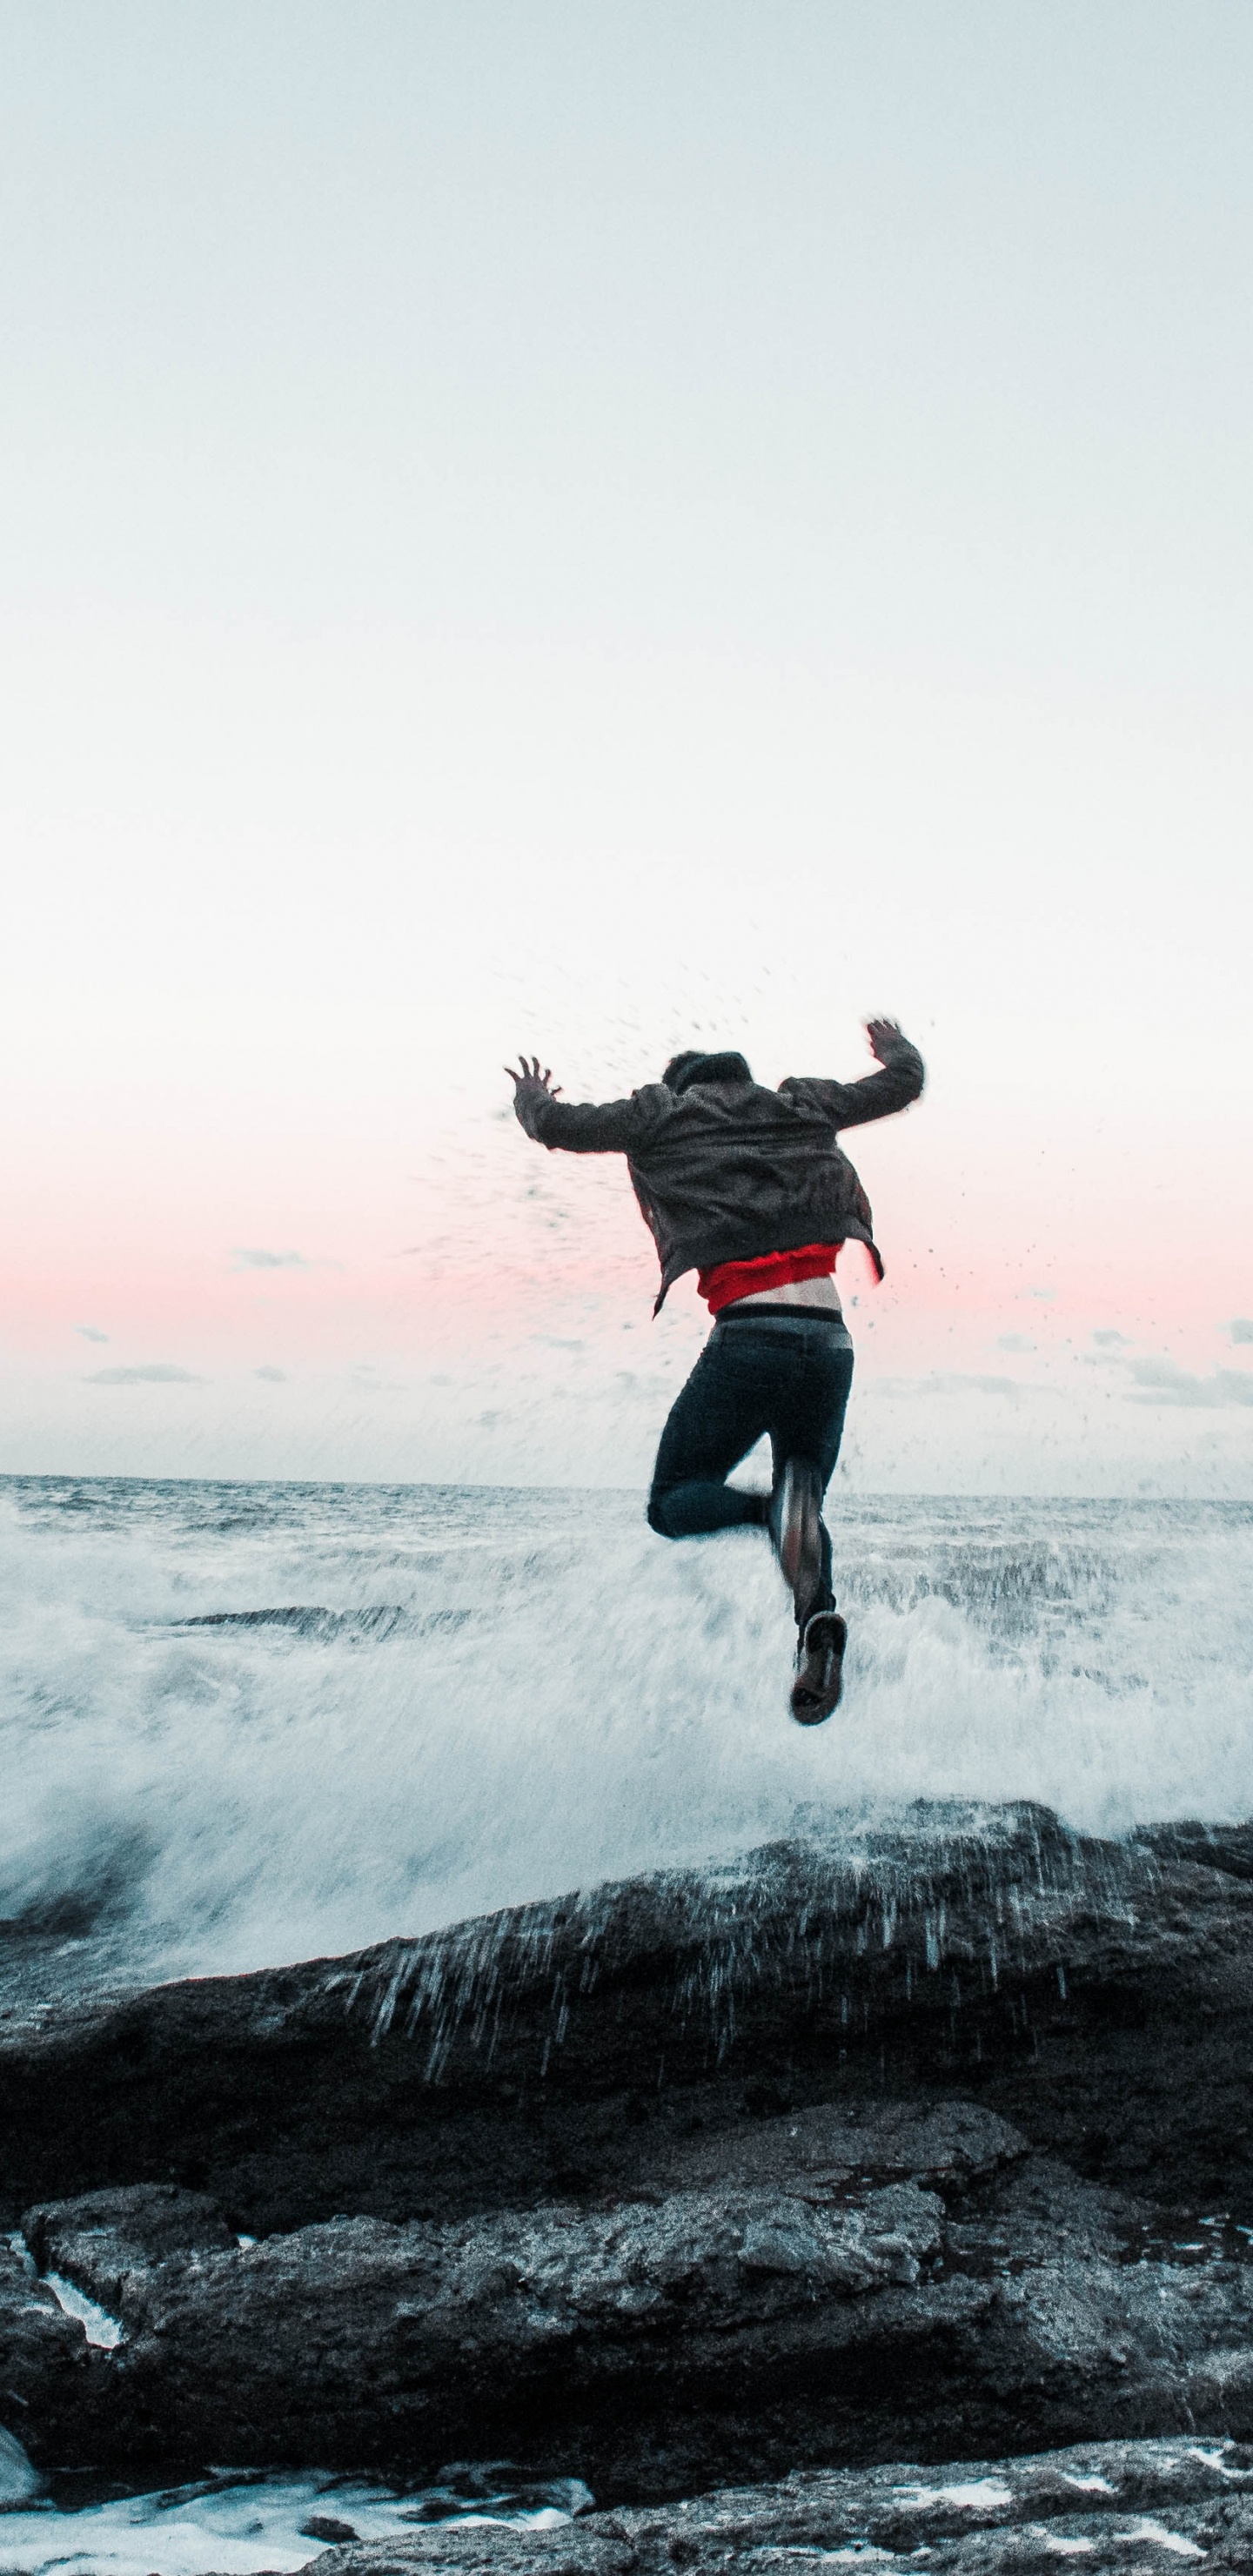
(530, 1086)
(883, 1036)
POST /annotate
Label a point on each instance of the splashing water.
(246, 1723)
(250, 2524)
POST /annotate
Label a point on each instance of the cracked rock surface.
(658, 2340)
(924, 2141)
(1130, 2507)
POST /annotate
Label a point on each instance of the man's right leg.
(716, 1419)
(805, 1432)
(806, 1427)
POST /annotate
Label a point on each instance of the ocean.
(248, 1723)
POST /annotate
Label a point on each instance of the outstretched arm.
(877, 1095)
(580, 1127)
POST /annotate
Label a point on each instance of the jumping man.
(749, 1188)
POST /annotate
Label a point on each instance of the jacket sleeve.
(877, 1095)
(592, 1127)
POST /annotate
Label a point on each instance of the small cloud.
(1109, 1340)
(272, 1376)
(980, 1385)
(1241, 1328)
(1045, 1295)
(1014, 1342)
(1164, 1382)
(957, 1384)
(253, 1258)
(92, 1333)
(156, 1373)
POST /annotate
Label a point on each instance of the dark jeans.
(788, 1378)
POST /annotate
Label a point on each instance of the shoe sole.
(819, 1684)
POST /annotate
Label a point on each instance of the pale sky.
(594, 527)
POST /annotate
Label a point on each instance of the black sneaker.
(819, 1668)
(796, 1532)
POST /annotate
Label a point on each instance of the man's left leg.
(717, 1417)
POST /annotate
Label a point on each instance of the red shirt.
(731, 1279)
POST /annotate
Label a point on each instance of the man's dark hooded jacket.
(725, 1170)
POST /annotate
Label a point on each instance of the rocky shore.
(1126, 2507)
(931, 2142)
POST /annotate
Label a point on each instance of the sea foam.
(247, 1723)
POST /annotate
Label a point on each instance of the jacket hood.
(710, 1068)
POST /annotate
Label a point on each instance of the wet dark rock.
(1085, 1989)
(50, 2387)
(766, 2302)
(890, 2146)
(357, 2339)
(105, 2238)
(1138, 2508)
(1225, 1847)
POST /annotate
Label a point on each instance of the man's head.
(693, 1066)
